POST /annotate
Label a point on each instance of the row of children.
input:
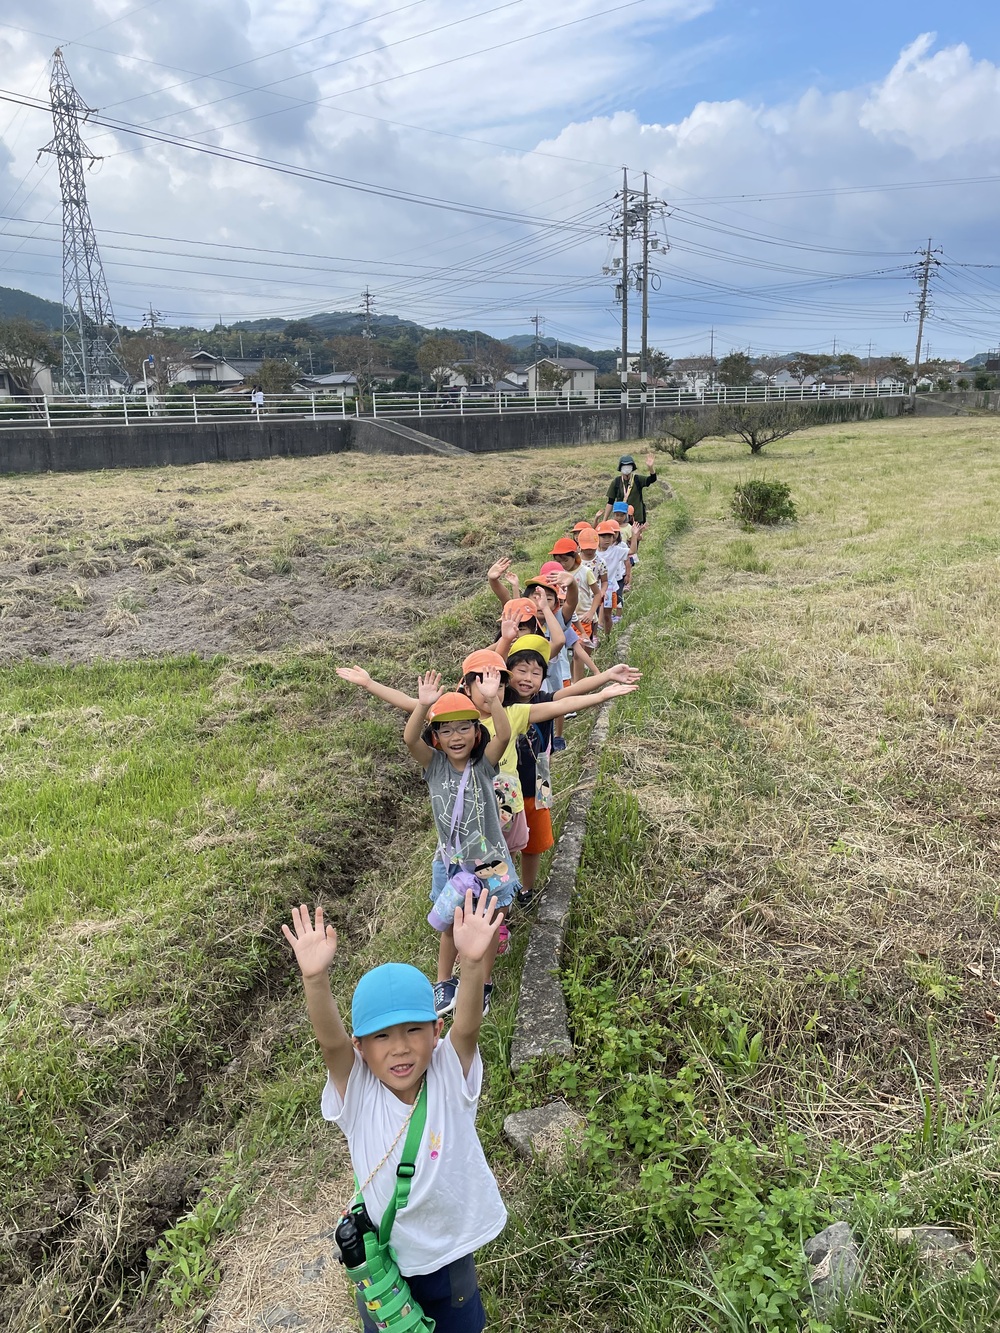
(484, 749)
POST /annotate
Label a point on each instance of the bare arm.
(581, 655)
(501, 722)
(474, 930)
(359, 676)
(626, 674)
(428, 692)
(495, 577)
(560, 707)
(557, 639)
(315, 948)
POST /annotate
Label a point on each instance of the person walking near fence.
(257, 399)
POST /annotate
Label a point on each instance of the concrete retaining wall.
(94, 448)
(986, 400)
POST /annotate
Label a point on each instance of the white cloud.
(568, 94)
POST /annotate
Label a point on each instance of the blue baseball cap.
(620, 507)
(390, 994)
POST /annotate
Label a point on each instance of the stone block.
(547, 1132)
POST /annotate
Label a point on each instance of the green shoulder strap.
(407, 1166)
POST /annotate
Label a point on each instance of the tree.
(492, 358)
(757, 424)
(768, 366)
(890, 367)
(849, 365)
(276, 376)
(299, 329)
(551, 378)
(803, 364)
(24, 347)
(356, 354)
(736, 368)
(436, 357)
(685, 430)
(658, 363)
(138, 347)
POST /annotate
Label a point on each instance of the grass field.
(783, 972)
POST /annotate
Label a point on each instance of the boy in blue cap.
(373, 1082)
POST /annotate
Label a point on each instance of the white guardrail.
(66, 411)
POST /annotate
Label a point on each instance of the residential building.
(579, 377)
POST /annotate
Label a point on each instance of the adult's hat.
(553, 567)
(390, 994)
(481, 660)
(625, 458)
(453, 707)
(609, 528)
(564, 546)
(588, 539)
(620, 507)
(532, 643)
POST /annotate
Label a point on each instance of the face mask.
(626, 470)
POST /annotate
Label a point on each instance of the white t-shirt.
(614, 558)
(454, 1204)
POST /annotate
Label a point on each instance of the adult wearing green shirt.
(628, 486)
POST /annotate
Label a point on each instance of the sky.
(463, 162)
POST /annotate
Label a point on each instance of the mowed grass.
(783, 970)
(160, 817)
(781, 973)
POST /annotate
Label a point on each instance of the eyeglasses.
(454, 728)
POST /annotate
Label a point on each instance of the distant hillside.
(16, 304)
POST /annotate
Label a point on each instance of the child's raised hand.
(315, 946)
(429, 689)
(625, 673)
(475, 926)
(618, 687)
(510, 628)
(356, 675)
(489, 684)
(499, 568)
(650, 462)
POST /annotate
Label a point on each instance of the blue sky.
(777, 139)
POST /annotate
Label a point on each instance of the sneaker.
(445, 995)
(504, 944)
(558, 743)
(525, 899)
(487, 995)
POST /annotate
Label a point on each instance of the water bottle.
(350, 1242)
(442, 914)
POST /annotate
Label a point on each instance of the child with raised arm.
(373, 1084)
(460, 758)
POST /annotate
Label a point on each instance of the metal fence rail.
(64, 411)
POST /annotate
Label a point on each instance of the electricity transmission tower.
(91, 345)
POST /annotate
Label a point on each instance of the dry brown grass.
(252, 556)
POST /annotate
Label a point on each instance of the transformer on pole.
(91, 344)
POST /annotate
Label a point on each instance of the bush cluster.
(761, 501)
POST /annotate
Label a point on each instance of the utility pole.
(91, 342)
(367, 313)
(644, 346)
(537, 319)
(624, 289)
(924, 272)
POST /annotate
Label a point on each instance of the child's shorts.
(516, 832)
(540, 837)
(504, 893)
(611, 600)
(449, 1296)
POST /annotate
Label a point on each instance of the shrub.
(683, 431)
(761, 501)
(760, 423)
